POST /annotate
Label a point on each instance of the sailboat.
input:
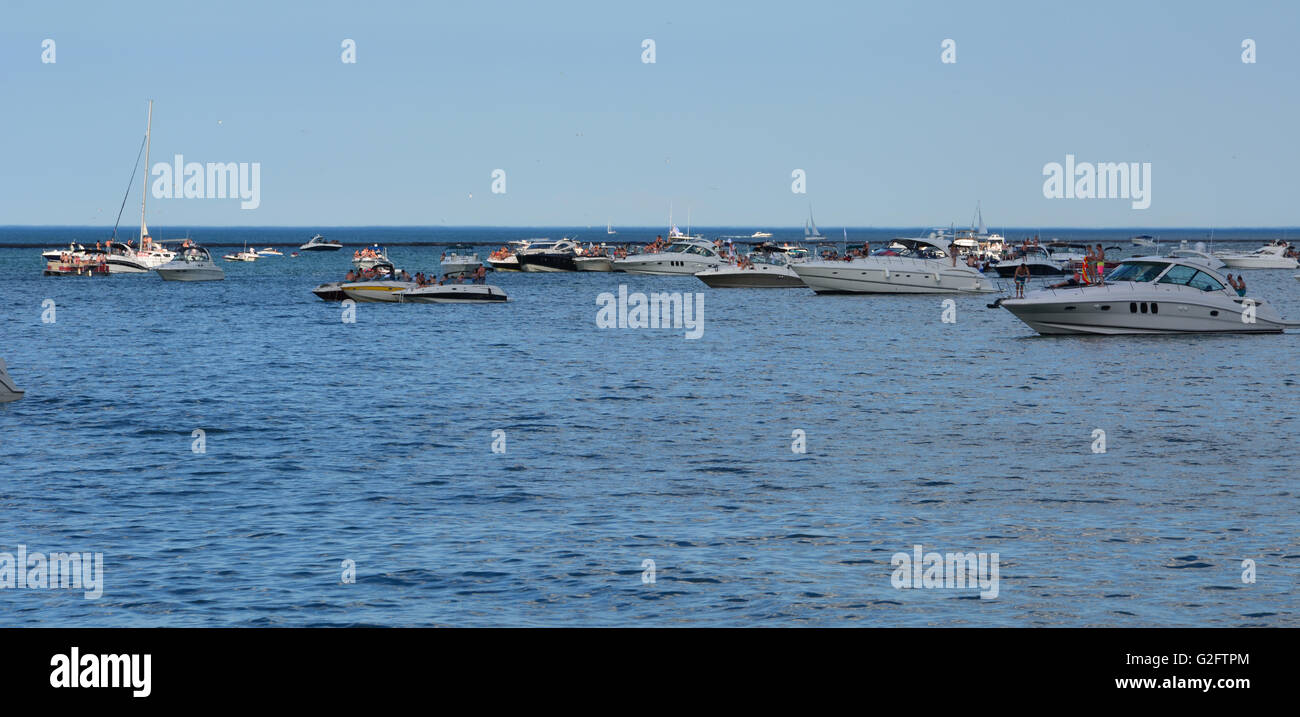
(609, 228)
(810, 230)
(122, 259)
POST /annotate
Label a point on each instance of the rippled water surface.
(371, 442)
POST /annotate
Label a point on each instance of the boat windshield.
(677, 248)
(699, 250)
(1189, 276)
(1140, 271)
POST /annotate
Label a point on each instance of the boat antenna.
(126, 196)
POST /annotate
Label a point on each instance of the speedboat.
(549, 256)
(270, 251)
(192, 263)
(1272, 256)
(73, 248)
(452, 294)
(1144, 240)
(761, 235)
(593, 262)
(333, 291)
(371, 256)
(8, 391)
(320, 243)
(1148, 295)
(910, 265)
(505, 259)
(244, 255)
(1039, 260)
(766, 267)
(1197, 254)
(383, 288)
(456, 262)
(686, 256)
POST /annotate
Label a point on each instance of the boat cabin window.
(1178, 274)
(1205, 282)
(677, 248)
(699, 250)
(1140, 271)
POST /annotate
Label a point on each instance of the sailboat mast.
(144, 189)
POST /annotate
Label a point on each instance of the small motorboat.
(453, 294)
(192, 263)
(333, 291)
(761, 235)
(766, 267)
(1144, 240)
(8, 391)
(459, 260)
(244, 255)
(370, 257)
(1148, 295)
(73, 249)
(270, 251)
(1273, 256)
(593, 263)
(1040, 262)
(384, 286)
(320, 243)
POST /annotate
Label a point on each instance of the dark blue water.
(371, 442)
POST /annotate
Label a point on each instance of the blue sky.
(740, 95)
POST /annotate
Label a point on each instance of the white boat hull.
(758, 276)
(892, 275)
(664, 264)
(453, 294)
(594, 263)
(8, 391)
(1118, 309)
(1258, 262)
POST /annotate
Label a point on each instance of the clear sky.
(740, 95)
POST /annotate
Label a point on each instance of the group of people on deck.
(478, 276)
(366, 253)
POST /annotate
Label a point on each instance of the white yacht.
(1148, 295)
(1040, 262)
(594, 258)
(1197, 253)
(8, 391)
(915, 265)
(452, 294)
(766, 267)
(320, 243)
(761, 235)
(270, 251)
(72, 250)
(549, 256)
(192, 263)
(458, 260)
(1272, 256)
(1144, 240)
(686, 256)
(124, 259)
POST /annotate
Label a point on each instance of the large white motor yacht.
(8, 391)
(915, 265)
(1148, 295)
(192, 263)
(1272, 256)
(688, 256)
(766, 267)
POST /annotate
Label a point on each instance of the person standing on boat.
(1022, 273)
(1100, 256)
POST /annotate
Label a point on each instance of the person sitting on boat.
(1072, 281)
(480, 275)
(1022, 273)
(405, 275)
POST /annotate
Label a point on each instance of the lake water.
(372, 442)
